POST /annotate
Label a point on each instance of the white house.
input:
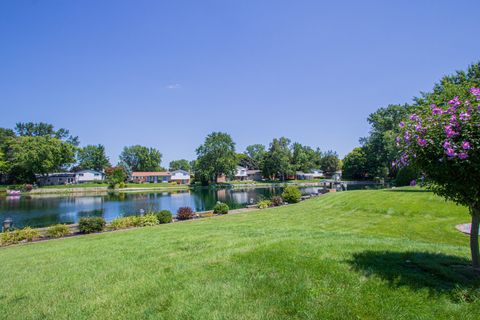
(180, 176)
(317, 173)
(89, 176)
(57, 178)
(241, 173)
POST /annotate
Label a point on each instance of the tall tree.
(93, 157)
(216, 156)
(330, 162)
(41, 129)
(181, 164)
(140, 158)
(304, 158)
(355, 165)
(277, 160)
(256, 154)
(39, 155)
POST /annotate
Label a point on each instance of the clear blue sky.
(166, 73)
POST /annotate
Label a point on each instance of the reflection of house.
(89, 176)
(151, 177)
(57, 178)
(180, 176)
(254, 175)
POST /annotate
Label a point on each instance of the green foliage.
(39, 155)
(263, 204)
(220, 208)
(164, 216)
(149, 220)
(216, 156)
(291, 194)
(115, 176)
(181, 164)
(277, 160)
(58, 231)
(256, 156)
(406, 175)
(93, 157)
(185, 213)
(277, 201)
(41, 129)
(140, 158)
(330, 163)
(91, 224)
(355, 165)
(304, 158)
(16, 236)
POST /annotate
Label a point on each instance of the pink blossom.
(463, 155)
(449, 131)
(421, 142)
(475, 91)
(464, 116)
(450, 152)
(465, 145)
(455, 102)
(402, 124)
(414, 117)
(446, 144)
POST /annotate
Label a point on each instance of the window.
(80, 174)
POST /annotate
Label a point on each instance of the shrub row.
(291, 194)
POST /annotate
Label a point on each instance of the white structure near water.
(89, 176)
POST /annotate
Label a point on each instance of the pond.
(46, 210)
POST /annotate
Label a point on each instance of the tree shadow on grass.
(408, 190)
(438, 273)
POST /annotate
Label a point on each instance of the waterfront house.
(180, 176)
(312, 175)
(57, 178)
(337, 175)
(88, 176)
(151, 177)
(241, 173)
(254, 175)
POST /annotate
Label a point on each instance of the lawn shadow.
(407, 190)
(438, 273)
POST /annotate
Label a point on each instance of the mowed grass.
(354, 255)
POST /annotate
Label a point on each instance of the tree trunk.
(475, 211)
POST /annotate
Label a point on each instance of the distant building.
(180, 176)
(89, 176)
(312, 175)
(254, 175)
(57, 178)
(241, 173)
(151, 177)
(337, 175)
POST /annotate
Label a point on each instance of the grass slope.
(359, 254)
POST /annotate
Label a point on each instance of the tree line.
(377, 155)
(32, 149)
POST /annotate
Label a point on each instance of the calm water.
(41, 211)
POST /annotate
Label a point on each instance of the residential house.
(337, 175)
(89, 176)
(241, 173)
(254, 175)
(57, 178)
(312, 175)
(151, 177)
(180, 176)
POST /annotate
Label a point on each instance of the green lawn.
(352, 255)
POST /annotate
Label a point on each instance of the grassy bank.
(361, 254)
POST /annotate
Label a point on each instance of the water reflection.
(39, 211)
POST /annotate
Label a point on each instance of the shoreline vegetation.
(54, 232)
(132, 187)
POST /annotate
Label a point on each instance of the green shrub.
(149, 220)
(58, 231)
(29, 234)
(119, 223)
(277, 201)
(291, 194)
(221, 208)
(122, 185)
(264, 204)
(164, 216)
(91, 224)
(185, 213)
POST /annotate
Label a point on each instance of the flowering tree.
(443, 141)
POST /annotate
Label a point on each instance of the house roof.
(89, 170)
(56, 175)
(180, 170)
(253, 171)
(151, 174)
